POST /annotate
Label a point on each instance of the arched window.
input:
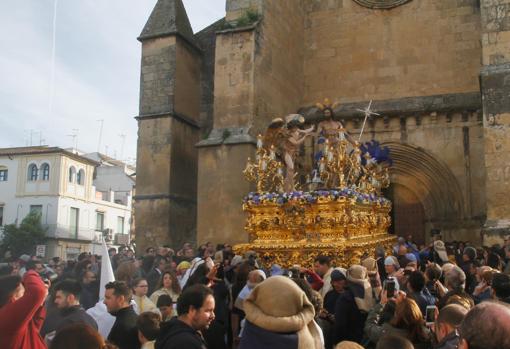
(72, 174)
(45, 169)
(80, 177)
(32, 172)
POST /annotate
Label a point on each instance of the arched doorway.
(408, 214)
(424, 192)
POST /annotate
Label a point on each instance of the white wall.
(57, 196)
(112, 178)
(8, 189)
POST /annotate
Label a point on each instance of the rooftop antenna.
(74, 136)
(53, 49)
(123, 137)
(32, 132)
(100, 134)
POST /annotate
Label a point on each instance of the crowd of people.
(440, 296)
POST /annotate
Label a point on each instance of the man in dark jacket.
(69, 310)
(124, 332)
(417, 291)
(155, 274)
(446, 325)
(195, 307)
(90, 290)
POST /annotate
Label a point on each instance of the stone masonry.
(437, 70)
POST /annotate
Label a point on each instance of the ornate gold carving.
(345, 221)
(296, 231)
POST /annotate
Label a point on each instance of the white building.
(60, 185)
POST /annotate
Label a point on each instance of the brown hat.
(371, 265)
(357, 272)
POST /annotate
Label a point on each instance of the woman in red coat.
(21, 311)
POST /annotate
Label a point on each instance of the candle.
(259, 141)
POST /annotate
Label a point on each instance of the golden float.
(342, 214)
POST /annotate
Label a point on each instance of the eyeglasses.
(142, 286)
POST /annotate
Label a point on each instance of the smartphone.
(390, 288)
(430, 315)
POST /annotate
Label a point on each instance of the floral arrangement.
(314, 196)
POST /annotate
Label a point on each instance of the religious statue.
(329, 128)
(343, 217)
(275, 135)
(293, 139)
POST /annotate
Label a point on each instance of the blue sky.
(96, 70)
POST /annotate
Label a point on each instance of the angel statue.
(294, 137)
(275, 135)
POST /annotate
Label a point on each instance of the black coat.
(175, 334)
(255, 337)
(124, 332)
(349, 320)
(60, 318)
(89, 295)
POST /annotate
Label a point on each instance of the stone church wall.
(279, 81)
(425, 47)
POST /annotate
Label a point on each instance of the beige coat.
(161, 291)
(279, 305)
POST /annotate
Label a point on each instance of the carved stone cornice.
(381, 4)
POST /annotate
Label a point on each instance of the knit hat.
(470, 252)
(411, 258)
(337, 275)
(392, 260)
(276, 270)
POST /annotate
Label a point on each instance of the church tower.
(168, 128)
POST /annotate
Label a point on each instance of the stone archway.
(424, 191)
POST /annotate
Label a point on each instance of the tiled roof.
(43, 149)
(168, 17)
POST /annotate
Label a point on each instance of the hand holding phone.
(430, 315)
(390, 288)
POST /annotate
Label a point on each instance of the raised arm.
(17, 314)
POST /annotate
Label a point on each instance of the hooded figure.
(279, 315)
(352, 306)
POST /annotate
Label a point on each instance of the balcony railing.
(64, 232)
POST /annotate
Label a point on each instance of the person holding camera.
(407, 321)
(22, 310)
